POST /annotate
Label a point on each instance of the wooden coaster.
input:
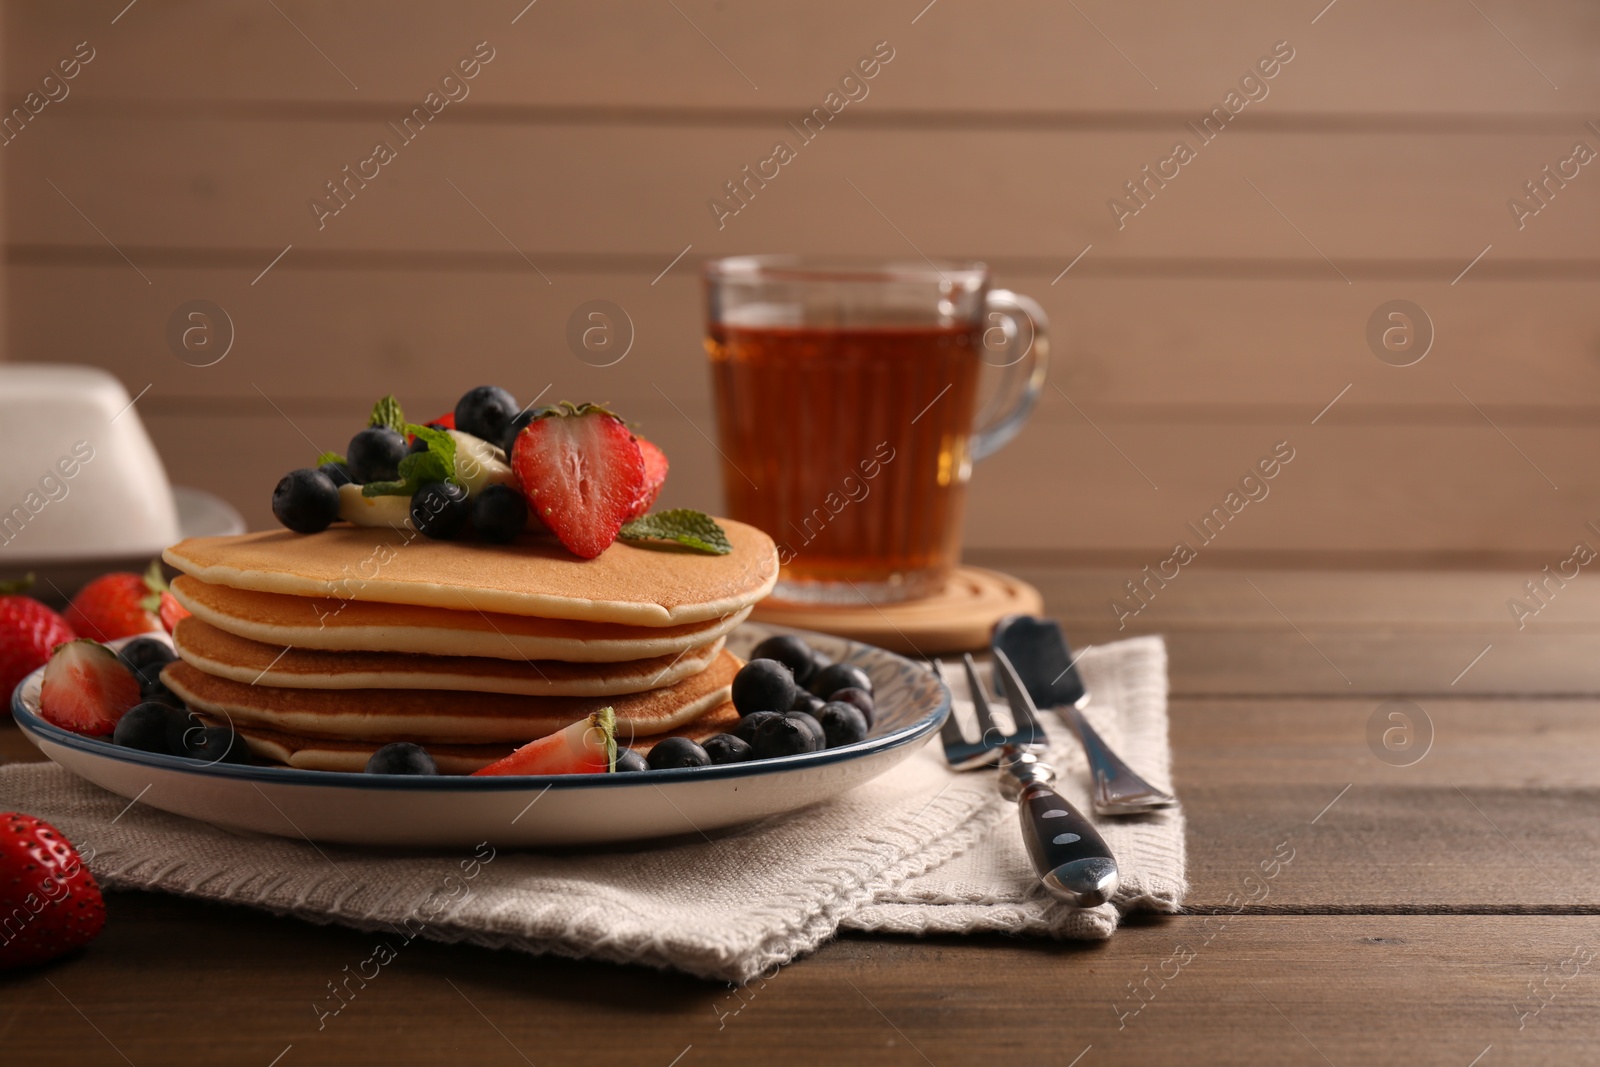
(958, 619)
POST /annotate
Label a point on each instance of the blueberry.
(514, 429)
(859, 697)
(401, 757)
(337, 473)
(763, 685)
(677, 752)
(418, 444)
(807, 702)
(748, 725)
(182, 727)
(486, 412)
(306, 501)
(784, 735)
(499, 513)
(842, 724)
(727, 748)
(839, 676)
(145, 656)
(375, 453)
(216, 744)
(144, 727)
(810, 722)
(629, 760)
(158, 693)
(791, 652)
(440, 510)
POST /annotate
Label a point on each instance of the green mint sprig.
(693, 529)
(330, 457)
(437, 464)
(387, 412)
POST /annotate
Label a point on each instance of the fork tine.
(980, 702)
(950, 733)
(1023, 709)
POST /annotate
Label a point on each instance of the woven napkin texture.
(918, 850)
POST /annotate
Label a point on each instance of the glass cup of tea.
(847, 413)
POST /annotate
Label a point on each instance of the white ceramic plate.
(529, 810)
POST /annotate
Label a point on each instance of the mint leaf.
(330, 457)
(386, 412)
(686, 526)
(437, 464)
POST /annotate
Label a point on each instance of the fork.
(1074, 863)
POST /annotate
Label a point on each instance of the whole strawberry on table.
(50, 901)
(492, 470)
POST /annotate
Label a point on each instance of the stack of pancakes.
(318, 649)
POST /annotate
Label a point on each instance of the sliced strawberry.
(86, 688)
(51, 902)
(28, 631)
(588, 746)
(655, 476)
(582, 473)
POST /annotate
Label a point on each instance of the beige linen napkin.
(919, 850)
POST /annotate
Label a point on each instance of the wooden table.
(1442, 912)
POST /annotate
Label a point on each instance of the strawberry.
(50, 899)
(119, 604)
(588, 746)
(582, 473)
(28, 631)
(655, 475)
(86, 688)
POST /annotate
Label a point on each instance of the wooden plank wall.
(1220, 319)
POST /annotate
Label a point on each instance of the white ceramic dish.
(527, 811)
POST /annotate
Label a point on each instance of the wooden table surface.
(1444, 912)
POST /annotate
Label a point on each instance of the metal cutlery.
(1045, 667)
(1074, 863)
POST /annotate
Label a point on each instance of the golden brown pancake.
(225, 655)
(318, 754)
(444, 717)
(640, 585)
(329, 623)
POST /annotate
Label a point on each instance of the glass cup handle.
(1021, 327)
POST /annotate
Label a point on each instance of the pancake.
(639, 585)
(225, 655)
(316, 754)
(328, 623)
(443, 717)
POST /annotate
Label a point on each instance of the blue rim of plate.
(910, 733)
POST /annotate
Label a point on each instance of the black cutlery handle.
(1073, 860)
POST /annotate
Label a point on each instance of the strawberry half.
(655, 476)
(28, 631)
(582, 473)
(46, 891)
(588, 746)
(86, 688)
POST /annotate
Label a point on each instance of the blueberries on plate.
(306, 500)
(181, 726)
(748, 725)
(337, 473)
(374, 455)
(763, 685)
(842, 724)
(215, 744)
(859, 697)
(486, 412)
(145, 656)
(784, 735)
(440, 510)
(677, 752)
(839, 676)
(144, 727)
(807, 702)
(728, 748)
(629, 760)
(790, 651)
(401, 757)
(811, 723)
(499, 513)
